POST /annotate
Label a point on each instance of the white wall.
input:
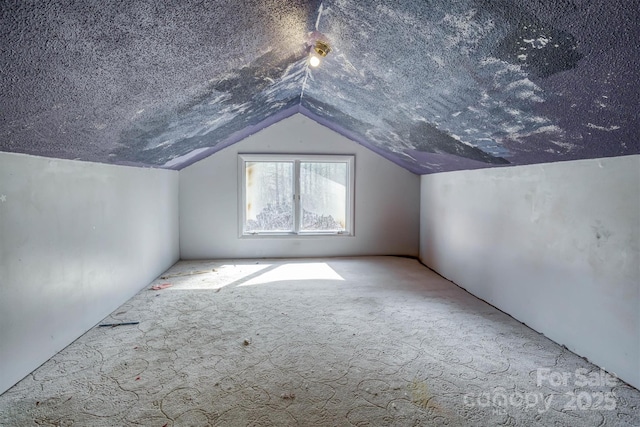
(387, 206)
(554, 245)
(76, 241)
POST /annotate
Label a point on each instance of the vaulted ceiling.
(433, 85)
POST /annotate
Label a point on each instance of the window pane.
(269, 196)
(323, 196)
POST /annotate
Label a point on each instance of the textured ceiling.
(434, 85)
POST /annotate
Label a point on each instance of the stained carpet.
(371, 341)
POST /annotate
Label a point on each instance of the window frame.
(296, 159)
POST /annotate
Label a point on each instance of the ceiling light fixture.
(314, 61)
(317, 52)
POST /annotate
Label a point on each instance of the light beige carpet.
(318, 342)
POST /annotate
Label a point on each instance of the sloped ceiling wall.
(433, 85)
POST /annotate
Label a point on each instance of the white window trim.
(296, 159)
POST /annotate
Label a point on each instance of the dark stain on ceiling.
(433, 85)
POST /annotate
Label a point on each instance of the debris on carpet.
(118, 324)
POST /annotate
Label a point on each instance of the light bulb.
(314, 61)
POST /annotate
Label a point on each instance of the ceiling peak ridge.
(311, 38)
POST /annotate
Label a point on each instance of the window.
(296, 194)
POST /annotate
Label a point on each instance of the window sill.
(285, 235)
